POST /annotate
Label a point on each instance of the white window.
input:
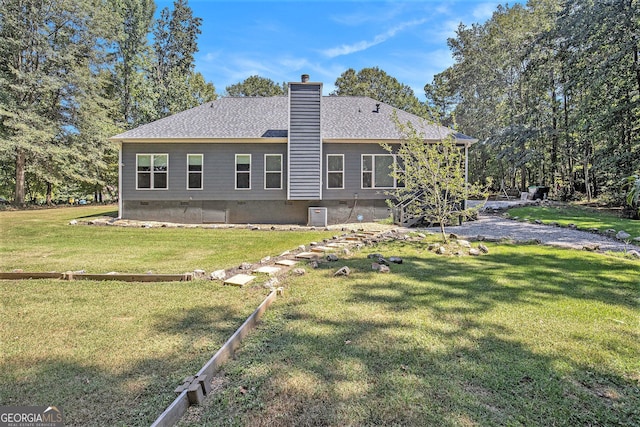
(273, 171)
(243, 171)
(377, 171)
(335, 170)
(152, 171)
(194, 171)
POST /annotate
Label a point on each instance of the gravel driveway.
(493, 226)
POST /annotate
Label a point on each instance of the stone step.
(286, 262)
(321, 249)
(239, 280)
(307, 255)
(268, 270)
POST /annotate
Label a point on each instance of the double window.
(243, 171)
(194, 171)
(335, 170)
(378, 171)
(273, 171)
(152, 171)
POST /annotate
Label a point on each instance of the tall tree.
(175, 44)
(132, 79)
(256, 86)
(50, 53)
(375, 83)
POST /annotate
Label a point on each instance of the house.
(297, 159)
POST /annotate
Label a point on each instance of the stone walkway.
(493, 227)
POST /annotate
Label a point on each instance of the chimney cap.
(304, 78)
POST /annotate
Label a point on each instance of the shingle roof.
(267, 117)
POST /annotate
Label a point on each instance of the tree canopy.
(75, 72)
(257, 86)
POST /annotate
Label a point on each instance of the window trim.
(243, 172)
(151, 172)
(335, 171)
(273, 172)
(373, 172)
(201, 172)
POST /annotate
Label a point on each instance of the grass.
(43, 240)
(112, 353)
(584, 218)
(527, 335)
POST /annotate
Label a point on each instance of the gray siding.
(218, 171)
(352, 172)
(305, 145)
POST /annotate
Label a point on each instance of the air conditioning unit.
(317, 217)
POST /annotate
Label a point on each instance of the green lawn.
(43, 240)
(583, 217)
(112, 353)
(527, 335)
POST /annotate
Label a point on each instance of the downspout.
(466, 172)
(120, 215)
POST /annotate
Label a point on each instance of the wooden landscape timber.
(123, 277)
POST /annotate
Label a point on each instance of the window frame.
(266, 172)
(237, 172)
(341, 172)
(200, 172)
(373, 171)
(152, 173)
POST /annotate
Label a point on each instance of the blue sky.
(281, 40)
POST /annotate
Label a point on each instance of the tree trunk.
(49, 191)
(444, 235)
(21, 162)
(587, 185)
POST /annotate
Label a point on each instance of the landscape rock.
(610, 231)
(332, 257)
(441, 250)
(199, 274)
(537, 221)
(218, 275)
(246, 266)
(634, 254)
(591, 248)
(637, 239)
(463, 243)
(384, 269)
(395, 260)
(313, 264)
(285, 253)
(375, 266)
(483, 248)
(298, 271)
(433, 246)
(453, 236)
(73, 222)
(344, 271)
(474, 252)
(383, 261)
(374, 256)
(623, 235)
(265, 260)
(302, 248)
(572, 226)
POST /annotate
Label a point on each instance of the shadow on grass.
(110, 214)
(126, 395)
(420, 347)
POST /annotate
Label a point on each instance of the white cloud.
(364, 44)
(484, 11)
